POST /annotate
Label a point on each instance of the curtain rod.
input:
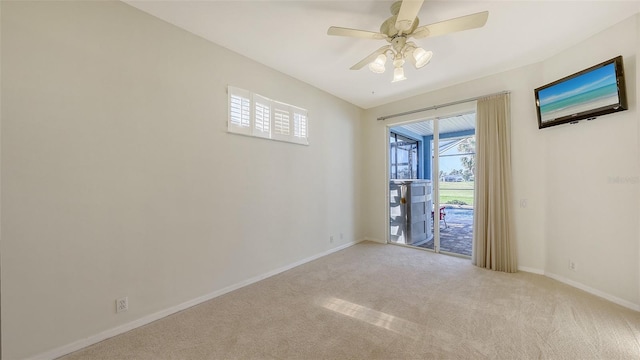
(440, 106)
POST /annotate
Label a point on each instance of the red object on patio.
(442, 216)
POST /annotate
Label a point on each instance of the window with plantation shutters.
(255, 115)
(262, 111)
(281, 122)
(300, 126)
(239, 111)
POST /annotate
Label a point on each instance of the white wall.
(574, 210)
(591, 178)
(119, 179)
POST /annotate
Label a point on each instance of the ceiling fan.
(397, 29)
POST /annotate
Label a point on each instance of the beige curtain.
(493, 242)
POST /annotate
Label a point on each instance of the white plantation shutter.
(300, 126)
(262, 111)
(239, 111)
(255, 115)
(281, 121)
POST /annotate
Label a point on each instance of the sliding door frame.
(433, 115)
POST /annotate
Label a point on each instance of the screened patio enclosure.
(412, 162)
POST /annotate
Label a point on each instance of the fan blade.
(370, 57)
(407, 14)
(363, 34)
(452, 25)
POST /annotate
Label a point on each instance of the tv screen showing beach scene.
(586, 94)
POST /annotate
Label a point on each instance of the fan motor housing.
(388, 27)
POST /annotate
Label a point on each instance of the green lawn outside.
(462, 191)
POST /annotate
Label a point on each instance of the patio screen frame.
(413, 156)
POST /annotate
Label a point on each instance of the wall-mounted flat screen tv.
(592, 92)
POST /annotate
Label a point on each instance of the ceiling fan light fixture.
(398, 74)
(398, 29)
(421, 57)
(377, 65)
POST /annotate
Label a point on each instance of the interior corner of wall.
(372, 239)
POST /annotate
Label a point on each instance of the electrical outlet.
(331, 239)
(341, 236)
(572, 265)
(122, 304)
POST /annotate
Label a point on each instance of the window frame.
(297, 124)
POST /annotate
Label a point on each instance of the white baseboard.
(590, 290)
(80, 344)
(531, 270)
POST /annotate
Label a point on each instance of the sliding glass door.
(431, 184)
(456, 169)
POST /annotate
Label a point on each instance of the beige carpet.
(374, 301)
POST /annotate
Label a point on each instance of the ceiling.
(291, 37)
(452, 124)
